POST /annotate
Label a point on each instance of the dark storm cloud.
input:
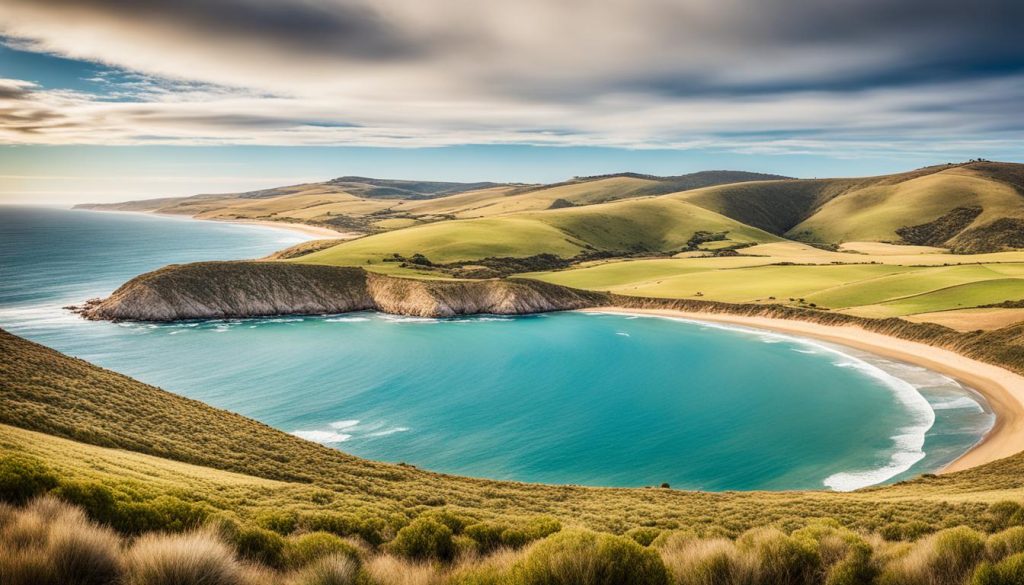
(307, 27)
(915, 41)
(601, 72)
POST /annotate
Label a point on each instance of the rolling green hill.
(364, 204)
(646, 225)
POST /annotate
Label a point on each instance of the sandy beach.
(321, 233)
(1003, 389)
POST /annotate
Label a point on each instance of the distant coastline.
(1003, 390)
(316, 231)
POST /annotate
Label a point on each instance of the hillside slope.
(367, 204)
(885, 211)
(986, 201)
(654, 225)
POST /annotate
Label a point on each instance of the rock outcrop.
(218, 290)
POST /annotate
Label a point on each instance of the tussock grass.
(52, 542)
(49, 542)
(200, 558)
(338, 569)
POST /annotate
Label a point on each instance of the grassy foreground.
(255, 505)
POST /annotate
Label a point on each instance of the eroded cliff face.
(217, 290)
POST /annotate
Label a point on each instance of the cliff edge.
(218, 290)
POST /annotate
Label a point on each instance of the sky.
(104, 100)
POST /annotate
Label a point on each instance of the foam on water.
(325, 437)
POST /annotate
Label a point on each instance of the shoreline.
(321, 233)
(318, 232)
(1002, 390)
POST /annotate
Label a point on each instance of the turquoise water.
(559, 398)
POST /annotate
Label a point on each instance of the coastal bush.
(907, 531)
(307, 548)
(455, 522)
(856, 568)
(424, 539)
(1009, 571)
(176, 559)
(1002, 514)
(373, 530)
(261, 545)
(1005, 543)
(643, 535)
(779, 558)
(579, 557)
(844, 556)
(533, 529)
(280, 521)
(945, 558)
(23, 478)
(487, 535)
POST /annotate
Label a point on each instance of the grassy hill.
(646, 225)
(365, 204)
(787, 273)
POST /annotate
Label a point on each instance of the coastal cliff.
(217, 290)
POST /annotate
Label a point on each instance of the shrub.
(329, 570)
(453, 521)
(303, 550)
(908, 531)
(843, 555)
(22, 479)
(643, 536)
(1009, 571)
(945, 558)
(487, 535)
(261, 545)
(780, 559)
(956, 552)
(673, 539)
(370, 529)
(95, 498)
(1006, 543)
(588, 558)
(534, 529)
(165, 513)
(706, 562)
(280, 521)
(855, 569)
(424, 539)
(194, 558)
(1001, 514)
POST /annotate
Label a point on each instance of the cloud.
(734, 74)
